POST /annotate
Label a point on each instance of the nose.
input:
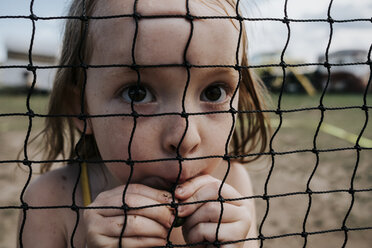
(181, 133)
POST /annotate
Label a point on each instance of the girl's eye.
(213, 93)
(137, 94)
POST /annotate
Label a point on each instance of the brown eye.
(213, 93)
(137, 94)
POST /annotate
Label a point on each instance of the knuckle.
(213, 208)
(135, 188)
(133, 224)
(215, 185)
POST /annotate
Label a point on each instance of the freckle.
(120, 225)
(64, 178)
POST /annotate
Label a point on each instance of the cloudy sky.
(308, 40)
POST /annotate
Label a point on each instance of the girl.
(150, 134)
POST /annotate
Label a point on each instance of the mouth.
(158, 183)
(167, 184)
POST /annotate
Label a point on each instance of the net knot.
(82, 116)
(304, 234)
(315, 151)
(184, 114)
(83, 65)
(309, 191)
(365, 108)
(216, 243)
(330, 20)
(220, 199)
(125, 207)
(31, 68)
(357, 147)
(189, 17)
(261, 237)
(232, 111)
(31, 113)
(169, 244)
(321, 108)
(137, 16)
(272, 152)
(327, 65)
(173, 204)
(351, 191)
(27, 162)
(285, 20)
(278, 112)
(226, 157)
(180, 158)
(34, 17)
(187, 64)
(74, 208)
(239, 18)
(134, 67)
(344, 228)
(283, 64)
(265, 197)
(83, 18)
(129, 162)
(237, 67)
(134, 114)
(25, 206)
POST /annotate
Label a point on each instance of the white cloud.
(308, 40)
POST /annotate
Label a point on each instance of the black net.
(266, 198)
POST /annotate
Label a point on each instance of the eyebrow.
(204, 71)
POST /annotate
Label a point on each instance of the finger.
(189, 188)
(161, 214)
(211, 212)
(207, 232)
(136, 225)
(113, 242)
(207, 192)
(160, 196)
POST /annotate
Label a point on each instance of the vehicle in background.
(346, 74)
(17, 78)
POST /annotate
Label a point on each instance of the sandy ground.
(286, 214)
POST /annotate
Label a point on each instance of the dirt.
(286, 214)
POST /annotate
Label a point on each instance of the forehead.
(163, 40)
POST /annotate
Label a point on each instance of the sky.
(308, 40)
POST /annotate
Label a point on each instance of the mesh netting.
(232, 113)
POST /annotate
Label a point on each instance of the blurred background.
(303, 87)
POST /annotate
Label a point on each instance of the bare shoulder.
(53, 187)
(46, 219)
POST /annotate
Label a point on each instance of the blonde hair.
(60, 133)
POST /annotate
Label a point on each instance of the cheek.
(216, 129)
(112, 135)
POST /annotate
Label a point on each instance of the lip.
(166, 184)
(158, 183)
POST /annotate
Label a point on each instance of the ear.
(76, 110)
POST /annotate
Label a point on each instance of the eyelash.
(228, 88)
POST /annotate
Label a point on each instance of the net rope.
(266, 196)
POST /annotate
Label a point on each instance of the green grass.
(11, 104)
(351, 120)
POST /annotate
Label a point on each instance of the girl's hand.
(147, 227)
(202, 218)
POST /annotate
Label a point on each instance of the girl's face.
(110, 90)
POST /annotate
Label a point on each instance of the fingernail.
(181, 209)
(171, 220)
(179, 190)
